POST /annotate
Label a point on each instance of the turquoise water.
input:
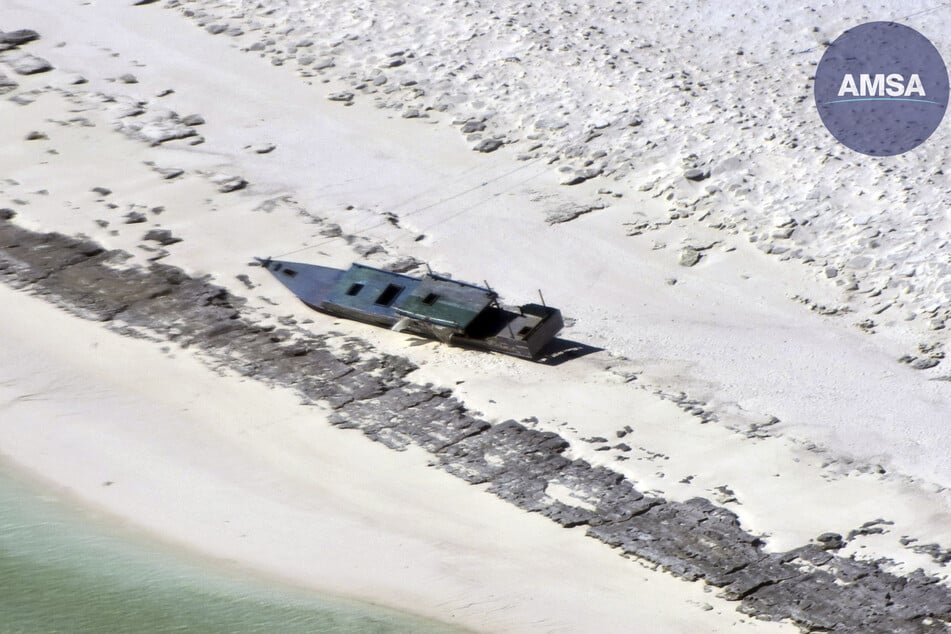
(64, 570)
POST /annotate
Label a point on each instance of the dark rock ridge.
(811, 586)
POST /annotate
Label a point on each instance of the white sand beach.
(753, 378)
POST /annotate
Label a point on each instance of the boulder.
(19, 37)
(29, 65)
(488, 145)
(162, 236)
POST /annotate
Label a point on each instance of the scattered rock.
(6, 84)
(231, 184)
(569, 211)
(345, 97)
(926, 363)
(831, 541)
(193, 120)
(546, 123)
(244, 279)
(19, 37)
(7, 213)
(162, 236)
(689, 256)
(142, 2)
(102, 191)
(216, 29)
(472, 126)
(168, 173)
(696, 174)
(128, 78)
(135, 217)
(29, 65)
(36, 135)
(581, 176)
(488, 145)
(324, 64)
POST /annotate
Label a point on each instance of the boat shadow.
(560, 351)
(557, 351)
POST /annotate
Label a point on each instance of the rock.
(19, 37)
(689, 256)
(581, 176)
(831, 541)
(193, 120)
(411, 113)
(135, 217)
(379, 80)
(488, 145)
(926, 363)
(160, 131)
(232, 184)
(396, 61)
(345, 97)
(7, 214)
(6, 84)
(142, 2)
(473, 125)
(168, 173)
(546, 123)
(570, 211)
(128, 78)
(29, 65)
(324, 64)
(102, 191)
(696, 174)
(216, 29)
(162, 236)
(265, 148)
(36, 135)
(831, 272)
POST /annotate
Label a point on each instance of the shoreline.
(81, 530)
(435, 520)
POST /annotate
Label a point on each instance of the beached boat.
(432, 306)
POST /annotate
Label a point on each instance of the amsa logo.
(881, 85)
(881, 88)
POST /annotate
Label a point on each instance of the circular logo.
(881, 88)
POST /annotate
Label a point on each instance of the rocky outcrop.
(812, 585)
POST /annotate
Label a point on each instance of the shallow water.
(65, 570)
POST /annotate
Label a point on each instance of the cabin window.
(388, 295)
(430, 299)
(289, 272)
(354, 289)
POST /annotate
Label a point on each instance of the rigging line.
(479, 203)
(368, 229)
